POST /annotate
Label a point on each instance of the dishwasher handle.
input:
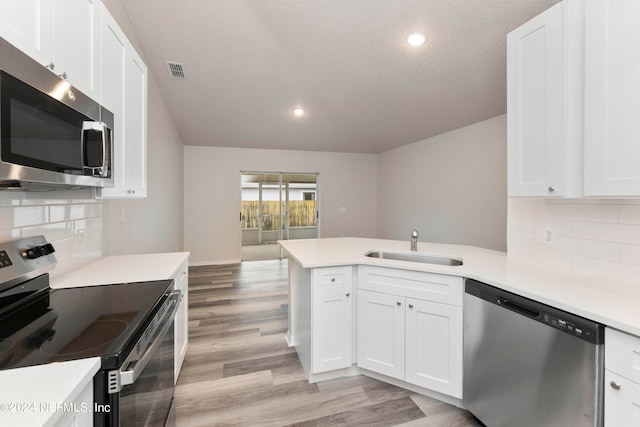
(519, 308)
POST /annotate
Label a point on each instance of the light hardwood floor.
(239, 371)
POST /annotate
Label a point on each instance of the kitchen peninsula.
(336, 323)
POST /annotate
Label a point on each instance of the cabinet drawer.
(332, 275)
(621, 401)
(412, 284)
(622, 354)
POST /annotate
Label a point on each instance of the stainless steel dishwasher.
(529, 364)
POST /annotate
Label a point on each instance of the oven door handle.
(129, 376)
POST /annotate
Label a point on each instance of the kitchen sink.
(415, 257)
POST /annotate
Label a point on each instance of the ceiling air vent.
(176, 70)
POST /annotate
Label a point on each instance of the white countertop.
(58, 383)
(123, 269)
(613, 302)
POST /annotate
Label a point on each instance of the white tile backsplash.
(619, 233)
(70, 220)
(578, 212)
(592, 236)
(630, 214)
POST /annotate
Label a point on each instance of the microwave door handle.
(103, 129)
(129, 376)
(105, 147)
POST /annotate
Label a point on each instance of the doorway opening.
(277, 206)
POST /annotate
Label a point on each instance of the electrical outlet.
(123, 216)
(546, 234)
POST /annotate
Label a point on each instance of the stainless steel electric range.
(129, 326)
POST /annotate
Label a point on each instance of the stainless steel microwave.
(52, 135)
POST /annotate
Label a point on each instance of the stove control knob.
(38, 251)
(30, 253)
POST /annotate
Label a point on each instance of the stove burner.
(95, 335)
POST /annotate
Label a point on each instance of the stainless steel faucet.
(414, 240)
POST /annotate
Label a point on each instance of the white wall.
(452, 187)
(212, 194)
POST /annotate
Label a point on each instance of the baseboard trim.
(417, 389)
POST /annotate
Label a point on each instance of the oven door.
(147, 401)
(140, 393)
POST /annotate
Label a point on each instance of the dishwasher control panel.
(569, 326)
(569, 323)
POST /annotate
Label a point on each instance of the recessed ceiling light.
(416, 39)
(298, 112)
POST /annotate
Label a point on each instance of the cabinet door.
(135, 126)
(28, 25)
(612, 98)
(332, 321)
(535, 106)
(85, 405)
(181, 325)
(77, 44)
(434, 346)
(113, 44)
(621, 401)
(380, 329)
(124, 93)
(622, 354)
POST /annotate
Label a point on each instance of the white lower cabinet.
(181, 324)
(622, 401)
(622, 379)
(82, 415)
(405, 335)
(434, 346)
(381, 325)
(332, 319)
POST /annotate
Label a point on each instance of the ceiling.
(250, 63)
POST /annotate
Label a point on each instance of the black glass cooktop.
(64, 324)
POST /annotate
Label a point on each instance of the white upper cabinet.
(124, 93)
(612, 98)
(77, 44)
(113, 45)
(28, 25)
(62, 35)
(80, 41)
(545, 102)
(135, 126)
